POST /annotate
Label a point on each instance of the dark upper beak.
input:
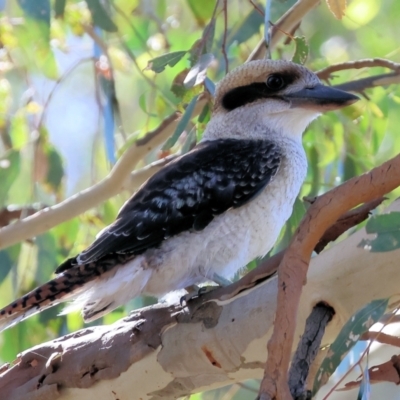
(321, 98)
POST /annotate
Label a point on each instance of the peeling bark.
(165, 352)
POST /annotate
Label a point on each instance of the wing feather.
(187, 194)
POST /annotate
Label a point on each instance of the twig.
(110, 77)
(132, 26)
(62, 78)
(286, 23)
(258, 9)
(293, 268)
(308, 348)
(96, 194)
(370, 82)
(386, 372)
(225, 11)
(381, 337)
(335, 386)
(369, 62)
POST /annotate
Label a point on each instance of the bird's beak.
(321, 98)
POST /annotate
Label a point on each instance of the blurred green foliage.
(152, 45)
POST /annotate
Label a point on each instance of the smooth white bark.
(165, 352)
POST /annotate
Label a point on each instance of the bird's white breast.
(232, 239)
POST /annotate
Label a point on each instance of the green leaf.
(46, 256)
(389, 222)
(100, 17)
(19, 129)
(385, 241)
(387, 230)
(59, 8)
(245, 29)
(358, 324)
(9, 171)
(8, 259)
(34, 38)
(202, 10)
(301, 51)
(181, 124)
(38, 9)
(143, 106)
(55, 172)
(158, 64)
(66, 233)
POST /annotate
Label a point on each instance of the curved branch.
(115, 182)
(294, 265)
(286, 23)
(369, 62)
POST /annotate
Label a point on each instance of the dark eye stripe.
(243, 95)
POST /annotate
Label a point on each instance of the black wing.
(187, 194)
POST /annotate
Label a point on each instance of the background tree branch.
(117, 180)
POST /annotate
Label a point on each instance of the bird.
(208, 213)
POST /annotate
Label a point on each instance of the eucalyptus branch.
(114, 183)
(365, 63)
(370, 82)
(285, 24)
(293, 268)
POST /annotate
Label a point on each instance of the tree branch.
(293, 268)
(211, 343)
(118, 179)
(286, 23)
(369, 62)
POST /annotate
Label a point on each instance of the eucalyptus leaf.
(100, 16)
(59, 8)
(9, 171)
(187, 115)
(158, 64)
(202, 10)
(387, 230)
(389, 222)
(8, 260)
(301, 51)
(351, 332)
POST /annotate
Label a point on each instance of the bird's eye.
(275, 82)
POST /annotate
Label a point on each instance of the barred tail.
(72, 281)
(56, 291)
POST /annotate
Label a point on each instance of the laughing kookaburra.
(208, 213)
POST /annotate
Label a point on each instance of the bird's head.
(277, 96)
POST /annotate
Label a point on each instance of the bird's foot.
(195, 291)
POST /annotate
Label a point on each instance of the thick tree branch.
(165, 352)
(118, 179)
(293, 268)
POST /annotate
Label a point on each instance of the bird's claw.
(196, 292)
